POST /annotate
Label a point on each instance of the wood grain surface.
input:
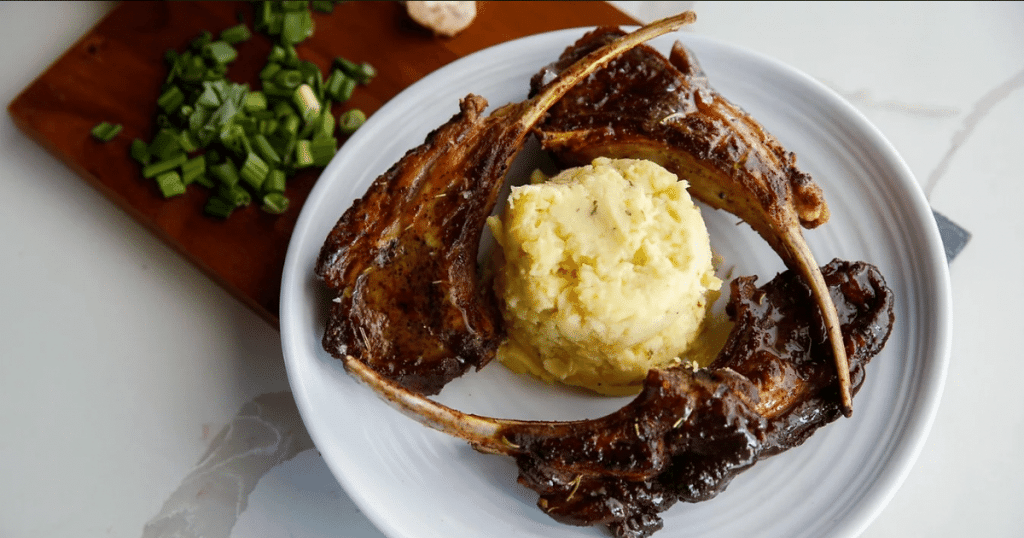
(115, 71)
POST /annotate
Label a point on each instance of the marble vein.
(865, 98)
(266, 432)
(981, 109)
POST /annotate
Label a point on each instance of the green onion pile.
(244, 144)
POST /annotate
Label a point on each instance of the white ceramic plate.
(415, 482)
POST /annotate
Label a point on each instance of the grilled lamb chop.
(688, 434)
(645, 106)
(402, 260)
(410, 315)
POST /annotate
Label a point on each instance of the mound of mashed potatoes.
(604, 272)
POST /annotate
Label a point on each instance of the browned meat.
(409, 314)
(687, 434)
(643, 105)
(402, 260)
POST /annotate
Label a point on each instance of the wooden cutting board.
(114, 74)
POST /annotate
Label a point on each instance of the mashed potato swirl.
(604, 272)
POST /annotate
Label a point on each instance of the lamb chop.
(402, 260)
(645, 106)
(409, 315)
(688, 433)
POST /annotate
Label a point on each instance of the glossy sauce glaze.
(643, 105)
(665, 109)
(688, 434)
(401, 261)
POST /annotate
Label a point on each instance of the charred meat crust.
(401, 261)
(416, 312)
(643, 105)
(688, 434)
(409, 315)
(643, 102)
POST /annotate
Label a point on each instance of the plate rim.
(926, 402)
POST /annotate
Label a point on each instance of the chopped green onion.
(254, 171)
(216, 72)
(351, 120)
(310, 72)
(155, 169)
(288, 150)
(203, 39)
(192, 68)
(236, 194)
(236, 34)
(209, 98)
(192, 169)
(205, 181)
(187, 142)
(274, 90)
(290, 124)
(288, 78)
(275, 181)
(323, 149)
(140, 152)
(170, 184)
(220, 52)
(309, 127)
(291, 56)
(277, 54)
(171, 57)
(366, 73)
(297, 26)
(255, 101)
(171, 99)
(265, 150)
(249, 124)
(206, 131)
(261, 115)
(225, 172)
(218, 206)
(267, 126)
(323, 6)
(270, 70)
(346, 65)
(245, 142)
(324, 126)
(363, 72)
(275, 23)
(274, 203)
(283, 108)
(164, 122)
(307, 103)
(263, 15)
(303, 155)
(165, 144)
(105, 131)
(199, 118)
(233, 137)
(340, 86)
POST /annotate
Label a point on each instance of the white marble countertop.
(126, 374)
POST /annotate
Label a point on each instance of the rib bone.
(410, 315)
(642, 105)
(402, 259)
(688, 433)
